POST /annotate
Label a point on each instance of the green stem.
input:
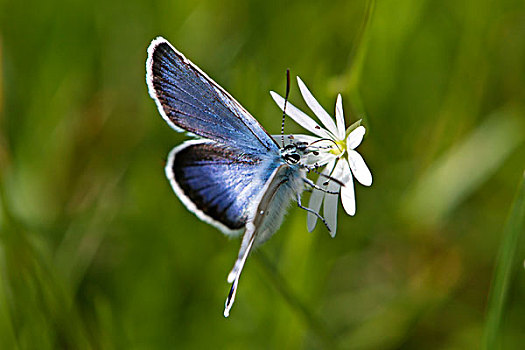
(360, 47)
(357, 59)
(313, 322)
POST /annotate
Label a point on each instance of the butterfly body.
(287, 185)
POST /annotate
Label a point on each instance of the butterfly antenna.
(285, 102)
(329, 140)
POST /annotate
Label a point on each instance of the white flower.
(337, 147)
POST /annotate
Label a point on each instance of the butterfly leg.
(313, 212)
(313, 185)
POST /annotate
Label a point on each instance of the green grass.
(97, 252)
(506, 267)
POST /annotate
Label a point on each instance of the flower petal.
(359, 168)
(316, 198)
(347, 191)
(318, 110)
(320, 159)
(300, 117)
(330, 200)
(340, 118)
(355, 138)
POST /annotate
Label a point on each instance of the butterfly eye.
(292, 158)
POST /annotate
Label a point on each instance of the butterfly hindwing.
(217, 183)
(188, 99)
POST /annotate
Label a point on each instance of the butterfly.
(234, 175)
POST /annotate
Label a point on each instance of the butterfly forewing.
(188, 99)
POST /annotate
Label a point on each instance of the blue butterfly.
(234, 176)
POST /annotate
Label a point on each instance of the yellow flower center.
(339, 148)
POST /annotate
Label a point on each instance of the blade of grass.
(505, 265)
(360, 47)
(460, 172)
(315, 323)
(8, 338)
(354, 72)
(39, 308)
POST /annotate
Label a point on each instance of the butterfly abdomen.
(290, 185)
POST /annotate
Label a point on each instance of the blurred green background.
(97, 252)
